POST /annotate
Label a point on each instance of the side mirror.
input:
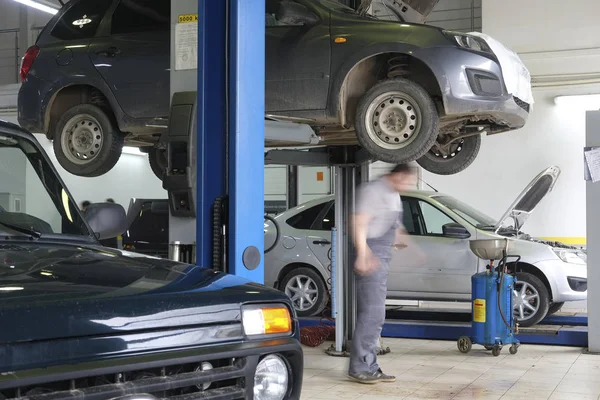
(457, 231)
(292, 13)
(107, 220)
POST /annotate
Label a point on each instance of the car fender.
(64, 82)
(371, 50)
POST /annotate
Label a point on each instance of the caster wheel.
(496, 351)
(513, 348)
(488, 348)
(464, 344)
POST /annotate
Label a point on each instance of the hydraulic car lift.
(227, 170)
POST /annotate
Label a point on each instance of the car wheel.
(554, 308)
(530, 299)
(307, 291)
(453, 159)
(87, 141)
(397, 121)
(158, 162)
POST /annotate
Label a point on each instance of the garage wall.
(543, 33)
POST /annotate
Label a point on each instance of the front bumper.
(473, 85)
(568, 281)
(162, 375)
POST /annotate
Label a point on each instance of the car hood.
(530, 197)
(410, 11)
(50, 291)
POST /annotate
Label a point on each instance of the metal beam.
(311, 158)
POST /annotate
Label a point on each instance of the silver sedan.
(298, 246)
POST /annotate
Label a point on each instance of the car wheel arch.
(533, 270)
(289, 267)
(345, 99)
(71, 95)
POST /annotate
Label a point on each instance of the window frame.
(108, 27)
(320, 214)
(293, 26)
(423, 224)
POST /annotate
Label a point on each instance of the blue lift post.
(231, 54)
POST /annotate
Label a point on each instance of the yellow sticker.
(185, 18)
(479, 310)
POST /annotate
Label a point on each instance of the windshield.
(336, 6)
(472, 216)
(33, 201)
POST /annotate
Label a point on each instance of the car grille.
(226, 379)
(521, 103)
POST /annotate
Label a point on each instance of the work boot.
(372, 377)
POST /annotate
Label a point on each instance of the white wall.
(549, 37)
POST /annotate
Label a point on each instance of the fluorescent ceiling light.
(581, 101)
(39, 6)
(133, 151)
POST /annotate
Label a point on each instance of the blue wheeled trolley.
(493, 323)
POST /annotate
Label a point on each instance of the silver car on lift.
(298, 253)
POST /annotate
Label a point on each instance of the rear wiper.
(34, 234)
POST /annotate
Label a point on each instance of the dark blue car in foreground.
(80, 321)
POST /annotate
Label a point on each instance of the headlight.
(570, 256)
(469, 42)
(266, 320)
(271, 379)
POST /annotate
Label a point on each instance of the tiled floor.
(436, 370)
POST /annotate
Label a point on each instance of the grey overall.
(371, 290)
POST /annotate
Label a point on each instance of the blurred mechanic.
(377, 231)
(84, 205)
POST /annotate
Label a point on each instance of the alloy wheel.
(303, 291)
(526, 301)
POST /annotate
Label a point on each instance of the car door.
(133, 57)
(298, 56)
(319, 239)
(449, 265)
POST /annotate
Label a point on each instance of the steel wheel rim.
(303, 291)
(393, 120)
(82, 139)
(456, 148)
(526, 301)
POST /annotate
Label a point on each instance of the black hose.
(277, 232)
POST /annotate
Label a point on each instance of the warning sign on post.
(184, 18)
(479, 310)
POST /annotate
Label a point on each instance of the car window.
(271, 12)
(141, 16)
(409, 217)
(150, 226)
(433, 218)
(327, 222)
(31, 196)
(81, 20)
(306, 219)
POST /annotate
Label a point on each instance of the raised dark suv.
(98, 76)
(81, 321)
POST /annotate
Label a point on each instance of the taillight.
(28, 59)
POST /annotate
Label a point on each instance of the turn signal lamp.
(266, 320)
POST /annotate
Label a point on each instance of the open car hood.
(529, 198)
(411, 11)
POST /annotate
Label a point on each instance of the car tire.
(302, 276)
(554, 308)
(87, 141)
(158, 162)
(541, 303)
(408, 127)
(464, 154)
